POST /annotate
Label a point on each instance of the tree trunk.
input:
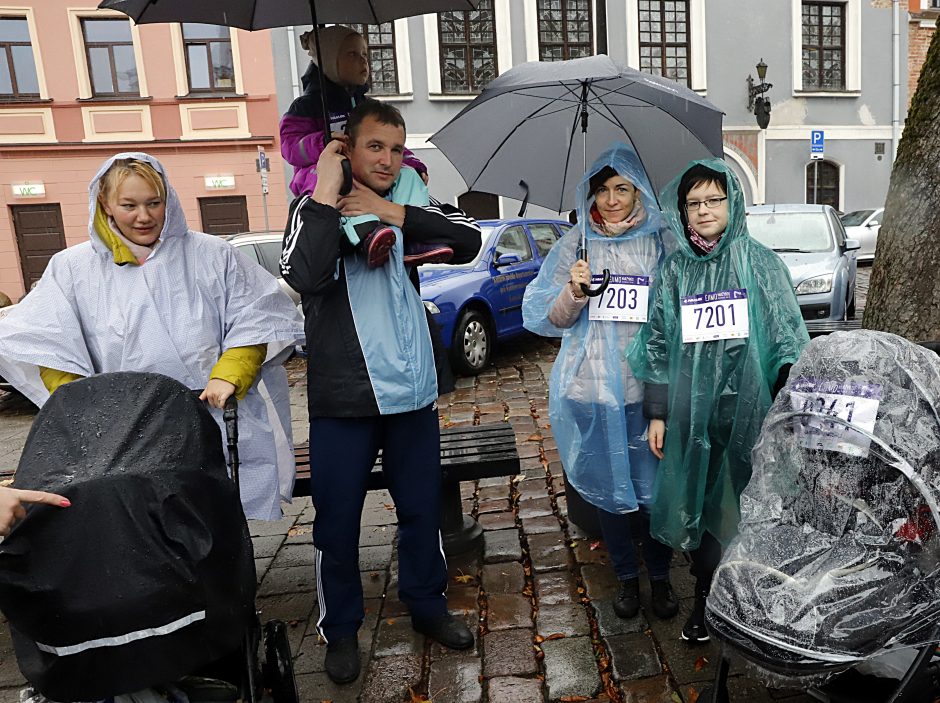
(904, 296)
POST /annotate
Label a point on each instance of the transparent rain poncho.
(836, 560)
(590, 380)
(719, 391)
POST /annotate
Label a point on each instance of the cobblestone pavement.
(538, 596)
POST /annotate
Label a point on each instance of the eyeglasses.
(711, 203)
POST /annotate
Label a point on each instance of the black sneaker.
(694, 629)
(417, 254)
(627, 603)
(446, 629)
(664, 601)
(342, 659)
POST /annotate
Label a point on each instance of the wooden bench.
(467, 454)
(817, 328)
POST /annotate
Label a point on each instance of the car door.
(510, 279)
(848, 262)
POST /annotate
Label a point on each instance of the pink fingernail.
(65, 503)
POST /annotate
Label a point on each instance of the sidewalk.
(538, 596)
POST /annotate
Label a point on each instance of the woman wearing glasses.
(724, 328)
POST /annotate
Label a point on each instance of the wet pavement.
(538, 595)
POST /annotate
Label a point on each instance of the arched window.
(482, 206)
(822, 183)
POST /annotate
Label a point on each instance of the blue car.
(480, 303)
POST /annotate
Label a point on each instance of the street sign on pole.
(263, 168)
(817, 144)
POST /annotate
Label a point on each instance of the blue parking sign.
(816, 144)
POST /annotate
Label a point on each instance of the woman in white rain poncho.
(148, 294)
(595, 403)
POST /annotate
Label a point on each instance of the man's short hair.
(383, 113)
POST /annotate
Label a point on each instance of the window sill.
(195, 97)
(827, 93)
(452, 97)
(395, 98)
(116, 99)
(24, 101)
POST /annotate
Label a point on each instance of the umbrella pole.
(347, 168)
(585, 288)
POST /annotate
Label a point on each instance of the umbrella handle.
(593, 293)
(347, 177)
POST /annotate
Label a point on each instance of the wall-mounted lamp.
(756, 101)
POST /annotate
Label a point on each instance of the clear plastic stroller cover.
(837, 554)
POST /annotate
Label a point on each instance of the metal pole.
(815, 182)
(263, 170)
(896, 80)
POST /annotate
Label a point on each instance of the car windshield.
(791, 231)
(855, 218)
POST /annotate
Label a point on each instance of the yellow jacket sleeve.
(240, 366)
(53, 378)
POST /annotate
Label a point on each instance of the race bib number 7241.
(707, 317)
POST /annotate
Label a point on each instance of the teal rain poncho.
(591, 381)
(719, 391)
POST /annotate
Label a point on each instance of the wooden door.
(39, 235)
(224, 215)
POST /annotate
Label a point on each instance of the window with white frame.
(210, 67)
(565, 29)
(383, 64)
(467, 40)
(18, 77)
(824, 50)
(109, 52)
(664, 39)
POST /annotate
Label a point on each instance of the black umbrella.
(265, 14)
(524, 124)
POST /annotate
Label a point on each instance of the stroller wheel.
(278, 668)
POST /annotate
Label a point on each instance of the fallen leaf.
(573, 543)
(580, 589)
(294, 531)
(539, 639)
(417, 697)
(675, 697)
(463, 578)
(374, 576)
(388, 506)
(693, 695)
(572, 699)
(556, 636)
(390, 621)
(534, 437)
(701, 663)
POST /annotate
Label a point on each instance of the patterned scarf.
(702, 243)
(612, 229)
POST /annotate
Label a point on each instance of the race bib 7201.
(707, 317)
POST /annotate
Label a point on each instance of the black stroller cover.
(838, 558)
(150, 574)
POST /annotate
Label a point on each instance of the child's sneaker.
(377, 245)
(417, 254)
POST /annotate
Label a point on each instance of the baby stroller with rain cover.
(149, 577)
(833, 582)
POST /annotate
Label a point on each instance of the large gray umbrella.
(532, 130)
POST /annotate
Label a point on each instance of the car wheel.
(473, 343)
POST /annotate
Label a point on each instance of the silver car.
(822, 260)
(864, 226)
(264, 248)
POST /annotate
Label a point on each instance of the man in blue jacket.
(371, 379)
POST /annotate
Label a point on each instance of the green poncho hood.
(719, 391)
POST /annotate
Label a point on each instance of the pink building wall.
(65, 164)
